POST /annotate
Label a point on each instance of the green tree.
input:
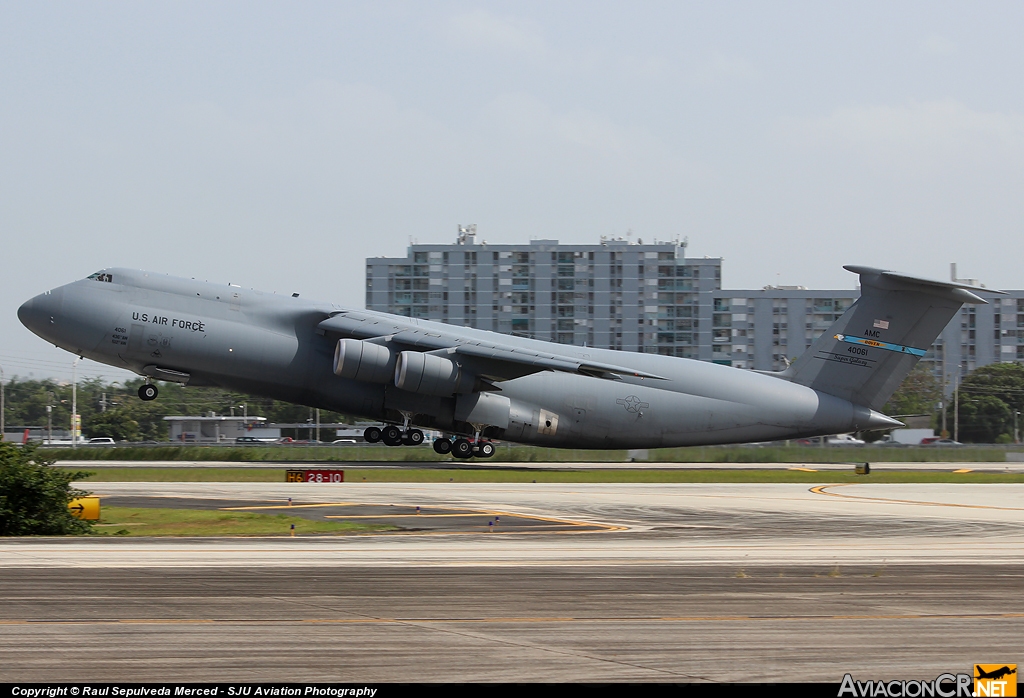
(108, 409)
(918, 393)
(1003, 381)
(117, 423)
(988, 398)
(984, 418)
(34, 497)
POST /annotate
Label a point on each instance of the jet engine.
(364, 361)
(429, 374)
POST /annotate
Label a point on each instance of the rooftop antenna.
(467, 234)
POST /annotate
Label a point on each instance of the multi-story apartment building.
(633, 296)
(615, 294)
(767, 328)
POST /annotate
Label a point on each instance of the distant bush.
(34, 497)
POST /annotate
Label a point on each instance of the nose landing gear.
(148, 392)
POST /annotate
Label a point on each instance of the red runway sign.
(315, 476)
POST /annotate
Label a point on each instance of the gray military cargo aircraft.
(476, 385)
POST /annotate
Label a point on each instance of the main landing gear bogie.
(393, 436)
(464, 448)
(148, 392)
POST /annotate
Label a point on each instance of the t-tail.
(866, 354)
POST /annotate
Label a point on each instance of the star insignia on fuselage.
(632, 403)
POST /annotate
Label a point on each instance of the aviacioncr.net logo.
(995, 680)
(943, 686)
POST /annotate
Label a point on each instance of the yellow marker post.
(86, 508)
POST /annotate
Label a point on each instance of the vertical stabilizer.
(868, 352)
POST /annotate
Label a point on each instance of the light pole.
(1016, 434)
(3, 405)
(956, 404)
(74, 403)
(945, 382)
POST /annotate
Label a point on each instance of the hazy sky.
(277, 145)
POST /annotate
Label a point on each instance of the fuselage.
(272, 345)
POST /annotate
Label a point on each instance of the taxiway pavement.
(940, 466)
(667, 582)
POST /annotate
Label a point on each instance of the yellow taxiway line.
(822, 489)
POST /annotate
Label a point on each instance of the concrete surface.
(660, 583)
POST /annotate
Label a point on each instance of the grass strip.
(531, 454)
(624, 475)
(134, 521)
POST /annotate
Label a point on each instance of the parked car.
(844, 440)
(887, 440)
(938, 441)
(837, 440)
(101, 441)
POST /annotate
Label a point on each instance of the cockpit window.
(101, 276)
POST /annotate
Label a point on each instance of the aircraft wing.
(491, 359)
(544, 361)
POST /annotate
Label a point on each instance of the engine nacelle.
(364, 361)
(431, 375)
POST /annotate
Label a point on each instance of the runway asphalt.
(941, 466)
(693, 582)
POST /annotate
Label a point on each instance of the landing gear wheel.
(372, 435)
(462, 449)
(486, 449)
(392, 436)
(413, 437)
(148, 392)
(443, 446)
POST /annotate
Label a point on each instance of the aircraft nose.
(40, 313)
